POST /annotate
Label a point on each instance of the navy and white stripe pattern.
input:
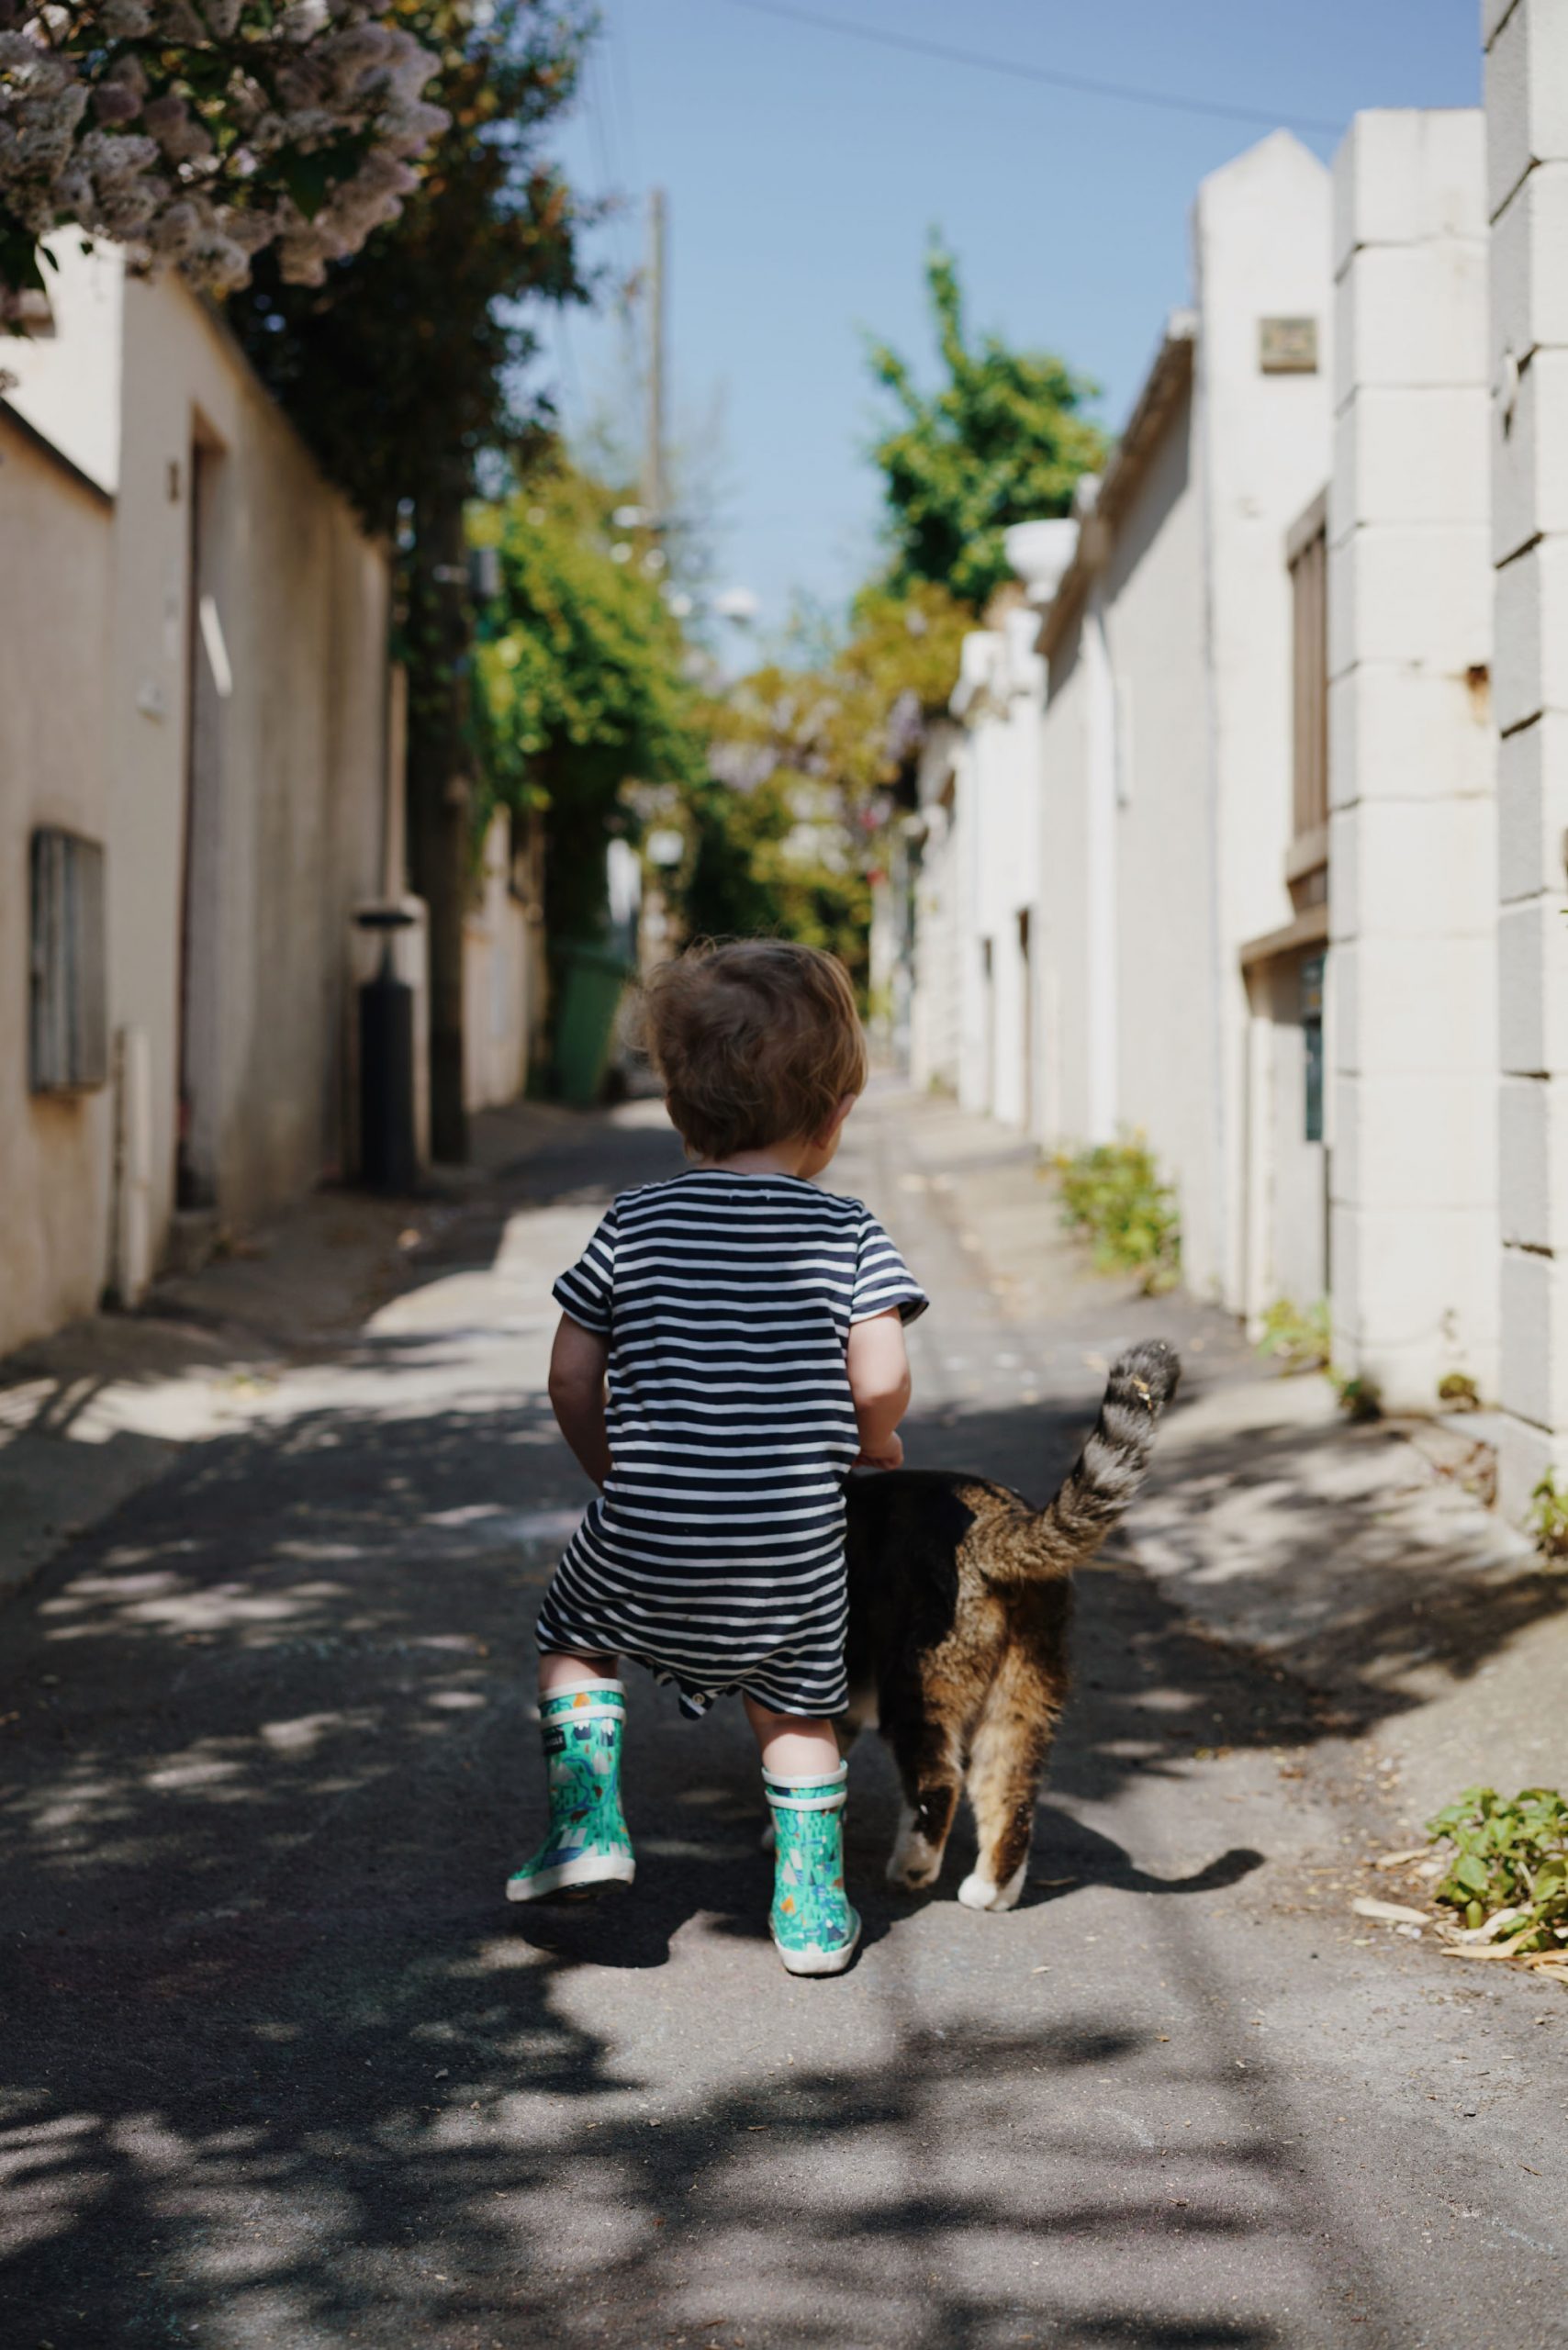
(715, 1554)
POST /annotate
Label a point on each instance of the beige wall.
(54, 1149)
(274, 711)
(499, 1007)
(298, 745)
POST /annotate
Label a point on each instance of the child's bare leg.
(557, 1671)
(791, 1745)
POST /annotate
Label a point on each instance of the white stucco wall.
(55, 1150)
(1164, 919)
(1170, 707)
(1001, 698)
(934, 1023)
(1412, 886)
(1526, 205)
(1261, 248)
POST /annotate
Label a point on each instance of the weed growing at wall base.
(1296, 1335)
(1548, 1520)
(1114, 1196)
(1508, 1870)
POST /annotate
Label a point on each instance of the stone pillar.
(1526, 171)
(1411, 887)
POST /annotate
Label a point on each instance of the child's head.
(757, 1043)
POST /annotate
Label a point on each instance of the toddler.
(751, 1329)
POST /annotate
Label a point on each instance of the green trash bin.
(593, 983)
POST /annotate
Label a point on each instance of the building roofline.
(1161, 391)
(45, 447)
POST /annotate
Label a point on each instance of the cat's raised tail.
(1112, 1464)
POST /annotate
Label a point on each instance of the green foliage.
(1548, 1518)
(405, 364)
(1114, 1196)
(1298, 1337)
(1002, 440)
(581, 674)
(1509, 1863)
(1458, 1392)
(761, 868)
(790, 822)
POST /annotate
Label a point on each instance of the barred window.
(68, 1025)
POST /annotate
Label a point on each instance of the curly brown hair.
(756, 1041)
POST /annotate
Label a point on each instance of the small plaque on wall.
(1287, 346)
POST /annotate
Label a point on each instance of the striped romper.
(715, 1555)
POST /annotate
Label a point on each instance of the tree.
(199, 131)
(583, 677)
(1002, 440)
(804, 763)
(401, 369)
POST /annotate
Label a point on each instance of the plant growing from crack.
(1508, 1873)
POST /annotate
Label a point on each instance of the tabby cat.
(959, 1601)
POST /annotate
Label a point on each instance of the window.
(68, 1022)
(1312, 1047)
(1309, 664)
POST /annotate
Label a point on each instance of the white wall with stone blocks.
(1413, 834)
(1527, 133)
(1527, 95)
(1532, 804)
(1407, 732)
(1399, 459)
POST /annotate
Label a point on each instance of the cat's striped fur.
(960, 1597)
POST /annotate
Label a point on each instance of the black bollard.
(386, 1153)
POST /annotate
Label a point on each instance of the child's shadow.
(724, 1892)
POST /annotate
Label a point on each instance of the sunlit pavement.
(280, 2067)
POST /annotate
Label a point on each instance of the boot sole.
(585, 1876)
(817, 1962)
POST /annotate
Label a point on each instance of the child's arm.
(880, 1385)
(578, 1361)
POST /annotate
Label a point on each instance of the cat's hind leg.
(1006, 1763)
(926, 1752)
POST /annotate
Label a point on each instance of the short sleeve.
(588, 1291)
(882, 1280)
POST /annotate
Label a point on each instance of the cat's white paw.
(914, 1861)
(977, 1892)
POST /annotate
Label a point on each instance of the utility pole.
(653, 453)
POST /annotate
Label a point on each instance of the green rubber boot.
(814, 1929)
(587, 1844)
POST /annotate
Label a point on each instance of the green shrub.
(1112, 1195)
(1508, 1857)
(1548, 1520)
(1299, 1338)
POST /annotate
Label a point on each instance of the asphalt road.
(281, 2071)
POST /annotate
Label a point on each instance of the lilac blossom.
(308, 138)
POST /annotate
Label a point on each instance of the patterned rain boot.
(587, 1844)
(814, 1929)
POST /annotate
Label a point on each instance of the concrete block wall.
(1412, 838)
(1527, 183)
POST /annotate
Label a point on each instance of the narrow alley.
(280, 2067)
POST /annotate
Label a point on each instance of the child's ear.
(841, 1110)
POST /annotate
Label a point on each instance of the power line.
(1017, 71)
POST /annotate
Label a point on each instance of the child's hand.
(888, 1454)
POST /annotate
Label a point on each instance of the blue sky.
(803, 170)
